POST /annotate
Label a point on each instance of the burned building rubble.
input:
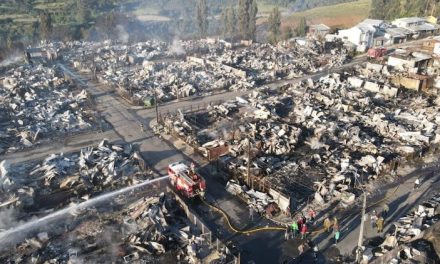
(322, 135)
(151, 229)
(37, 187)
(38, 103)
(411, 238)
(264, 62)
(144, 71)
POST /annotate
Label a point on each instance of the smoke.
(8, 218)
(123, 35)
(18, 231)
(176, 48)
(111, 238)
(14, 57)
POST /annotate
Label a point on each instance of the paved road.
(158, 154)
(401, 198)
(127, 124)
(260, 248)
(150, 114)
(66, 145)
(125, 121)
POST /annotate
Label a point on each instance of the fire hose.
(278, 228)
(246, 232)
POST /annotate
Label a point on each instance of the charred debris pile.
(148, 230)
(37, 188)
(327, 136)
(38, 104)
(414, 237)
(148, 70)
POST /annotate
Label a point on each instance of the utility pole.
(361, 231)
(156, 104)
(249, 162)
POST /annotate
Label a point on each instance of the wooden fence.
(206, 232)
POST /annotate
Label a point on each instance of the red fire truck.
(185, 179)
(377, 53)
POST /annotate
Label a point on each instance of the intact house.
(376, 33)
(411, 62)
(365, 35)
(417, 25)
(416, 82)
(360, 35)
(319, 30)
(396, 35)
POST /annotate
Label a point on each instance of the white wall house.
(416, 24)
(361, 35)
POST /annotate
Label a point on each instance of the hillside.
(391, 9)
(301, 5)
(336, 16)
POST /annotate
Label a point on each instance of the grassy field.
(340, 15)
(50, 6)
(265, 8)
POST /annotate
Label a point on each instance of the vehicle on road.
(377, 53)
(185, 180)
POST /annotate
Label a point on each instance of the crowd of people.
(302, 224)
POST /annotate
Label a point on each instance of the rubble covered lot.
(327, 135)
(37, 104)
(152, 69)
(37, 188)
(416, 235)
(152, 229)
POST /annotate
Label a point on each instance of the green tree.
(228, 22)
(108, 23)
(224, 19)
(253, 20)
(232, 22)
(31, 33)
(288, 33)
(244, 17)
(46, 26)
(274, 25)
(392, 9)
(202, 17)
(301, 29)
(10, 40)
(247, 18)
(82, 11)
(378, 10)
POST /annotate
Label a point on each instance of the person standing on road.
(385, 210)
(251, 213)
(312, 215)
(327, 224)
(294, 227)
(337, 234)
(416, 184)
(300, 249)
(335, 223)
(379, 224)
(287, 233)
(304, 230)
(315, 251)
(300, 222)
(373, 218)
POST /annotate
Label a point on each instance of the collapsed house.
(154, 70)
(322, 135)
(38, 103)
(60, 179)
(265, 63)
(150, 229)
(410, 238)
